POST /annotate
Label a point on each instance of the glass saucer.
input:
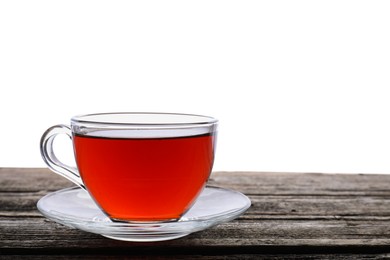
(73, 207)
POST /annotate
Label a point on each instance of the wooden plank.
(263, 207)
(30, 180)
(39, 232)
(290, 213)
(264, 183)
(20, 197)
(328, 256)
(36, 234)
(257, 183)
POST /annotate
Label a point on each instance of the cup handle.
(47, 152)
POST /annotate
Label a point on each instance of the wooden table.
(293, 215)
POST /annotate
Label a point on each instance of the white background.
(296, 85)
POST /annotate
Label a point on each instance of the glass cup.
(138, 167)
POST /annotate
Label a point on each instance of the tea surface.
(149, 179)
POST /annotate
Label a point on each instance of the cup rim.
(144, 119)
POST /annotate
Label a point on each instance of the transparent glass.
(74, 207)
(138, 167)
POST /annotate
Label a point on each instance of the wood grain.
(292, 215)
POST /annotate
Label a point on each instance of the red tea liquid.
(151, 179)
